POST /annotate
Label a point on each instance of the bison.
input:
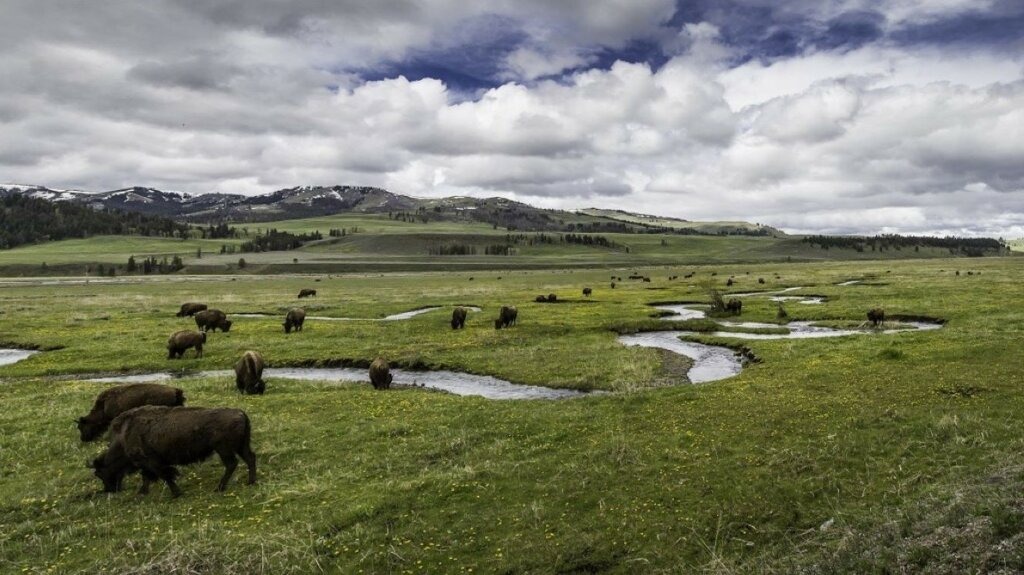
(760, 280)
(734, 306)
(190, 309)
(459, 318)
(212, 320)
(306, 293)
(613, 285)
(876, 316)
(540, 299)
(587, 291)
(180, 341)
(506, 317)
(380, 374)
(153, 439)
(552, 298)
(114, 401)
(249, 374)
(294, 319)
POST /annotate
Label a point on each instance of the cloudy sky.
(843, 116)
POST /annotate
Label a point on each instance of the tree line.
(27, 220)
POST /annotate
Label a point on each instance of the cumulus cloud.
(809, 116)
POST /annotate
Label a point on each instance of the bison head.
(89, 430)
(226, 326)
(287, 326)
(497, 323)
(111, 475)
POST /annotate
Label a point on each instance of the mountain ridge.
(315, 201)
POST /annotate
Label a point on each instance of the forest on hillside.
(25, 220)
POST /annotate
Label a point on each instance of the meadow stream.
(710, 362)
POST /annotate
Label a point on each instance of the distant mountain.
(315, 201)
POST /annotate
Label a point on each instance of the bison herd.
(151, 430)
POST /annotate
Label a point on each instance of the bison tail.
(250, 363)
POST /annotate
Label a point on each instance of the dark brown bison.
(552, 298)
(459, 318)
(729, 282)
(249, 374)
(153, 439)
(294, 319)
(613, 285)
(182, 340)
(380, 374)
(734, 306)
(876, 316)
(116, 400)
(760, 280)
(646, 280)
(306, 293)
(212, 320)
(507, 316)
(540, 299)
(190, 309)
(587, 291)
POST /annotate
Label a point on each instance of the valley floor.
(888, 453)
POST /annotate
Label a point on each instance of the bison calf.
(459, 318)
(190, 309)
(212, 320)
(114, 401)
(380, 374)
(249, 374)
(307, 293)
(153, 439)
(180, 341)
(294, 320)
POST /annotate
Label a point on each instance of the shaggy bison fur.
(587, 291)
(190, 309)
(180, 341)
(114, 401)
(294, 319)
(307, 293)
(153, 439)
(507, 316)
(249, 374)
(380, 374)
(876, 316)
(459, 318)
(212, 320)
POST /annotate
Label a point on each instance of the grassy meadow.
(375, 243)
(869, 453)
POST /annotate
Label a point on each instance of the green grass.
(735, 475)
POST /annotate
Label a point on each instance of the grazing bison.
(249, 374)
(190, 309)
(184, 339)
(734, 306)
(307, 293)
(540, 299)
(506, 317)
(294, 320)
(552, 298)
(116, 400)
(153, 439)
(613, 285)
(729, 282)
(876, 316)
(760, 280)
(587, 291)
(459, 318)
(380, 374)
(212, 320)
(646, 280)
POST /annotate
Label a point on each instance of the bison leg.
(261, 386)
(168, 474)
(148, 477)
(250, 461)
(199, 351)
(230, 463)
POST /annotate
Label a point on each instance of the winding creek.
(710, 362)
